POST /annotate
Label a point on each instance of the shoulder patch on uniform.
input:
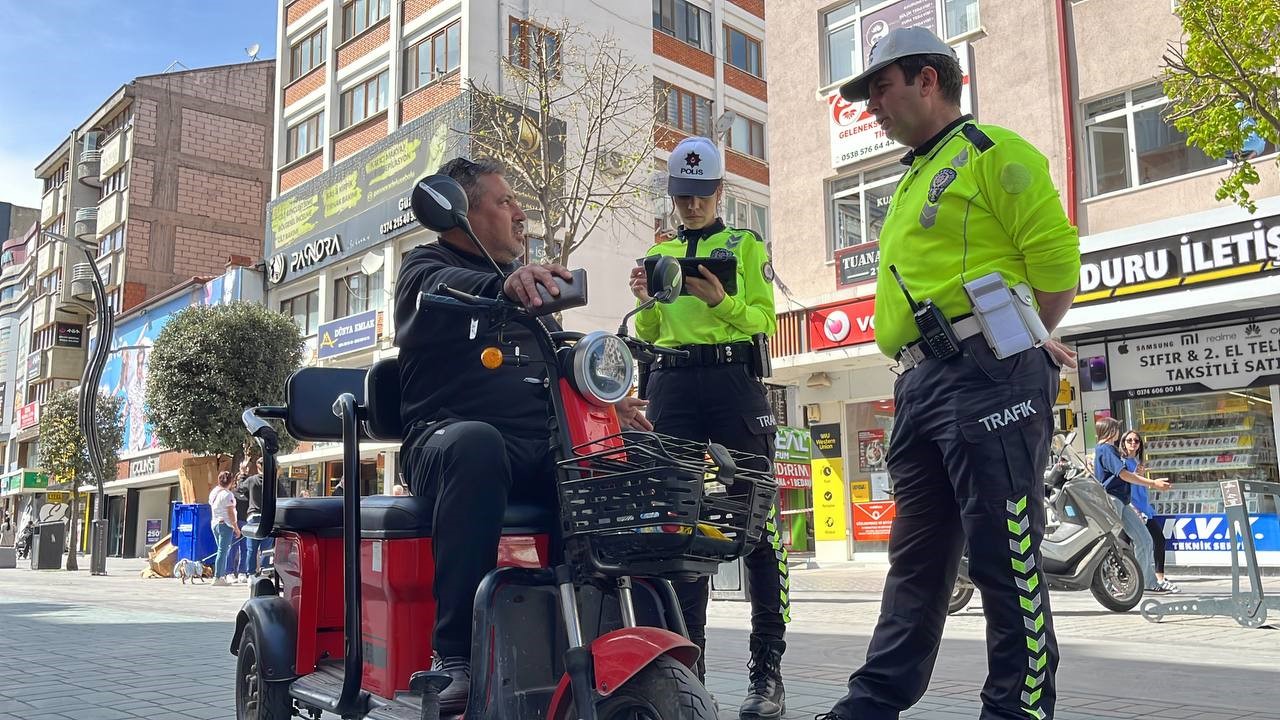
(979, 139)
(1015, 177)
(767, 271)
(940, 182)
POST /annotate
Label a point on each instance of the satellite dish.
(371, 262)
(252, 51)
(724, 122)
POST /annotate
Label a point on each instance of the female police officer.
(716, 394)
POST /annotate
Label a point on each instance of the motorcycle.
(579, 620)
(1085, 546)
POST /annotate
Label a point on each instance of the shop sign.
(857, 264)
(144, 466)
(300, 472)
(791, 458)
(69, 335)
(859, 491)
(1225, 358)
(828, 482)
(28, 415)
(871, 450)
(153, 531)
(1239, 251)
(1198, 532)
(850, 323)
(348, 334)
(57, 498)
(34, 365)
(855, 133)
(904, 13)
(873, 520)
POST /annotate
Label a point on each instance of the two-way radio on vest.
(935, 329)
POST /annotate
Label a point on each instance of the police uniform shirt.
(976, 199)
(690, 321)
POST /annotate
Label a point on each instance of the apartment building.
(1154, 240)
(166, 179)
(367, 85)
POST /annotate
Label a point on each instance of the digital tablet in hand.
(726, 269)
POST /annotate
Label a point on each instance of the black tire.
(1117, 584)
(664, 690)
(961, 594)
(257, 699)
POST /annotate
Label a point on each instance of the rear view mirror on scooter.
(667, 276)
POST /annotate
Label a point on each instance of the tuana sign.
(1220, 254)
(1224, 358)
(849, 323)
(856, 134)
(857, 264)
(348, 334)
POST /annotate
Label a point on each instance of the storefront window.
(870, 429)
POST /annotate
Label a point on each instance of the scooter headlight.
(603, 368)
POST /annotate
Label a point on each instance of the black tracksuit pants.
(472, 471)
(967, 458)
(725, 404)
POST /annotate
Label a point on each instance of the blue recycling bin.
(192, 534)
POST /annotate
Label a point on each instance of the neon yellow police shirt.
(979, 201)
(689, 321)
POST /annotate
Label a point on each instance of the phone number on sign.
(1164, 390)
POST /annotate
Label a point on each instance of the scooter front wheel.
(1117, 584)
(961, 594)
(665, 690)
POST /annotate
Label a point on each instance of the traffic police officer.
(972, 434)
(716, 393)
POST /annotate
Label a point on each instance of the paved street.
(122, 647)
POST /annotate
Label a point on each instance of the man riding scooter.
(475, 438)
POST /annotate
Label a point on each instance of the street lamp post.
(89, 402)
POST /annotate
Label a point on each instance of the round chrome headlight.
(602, 367)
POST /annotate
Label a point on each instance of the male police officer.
(716, 394)
(473, 437)
(972, 433)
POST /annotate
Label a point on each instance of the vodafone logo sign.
(841, 325)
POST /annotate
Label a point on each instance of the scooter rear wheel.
(1117, 584)
(961, 594)
(257, 699)
(665, 690)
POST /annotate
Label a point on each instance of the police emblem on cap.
(940, 182)
(721, 254)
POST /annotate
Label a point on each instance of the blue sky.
(60, 59)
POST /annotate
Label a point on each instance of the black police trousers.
(967, 458)
(472, 471)
(727, 405)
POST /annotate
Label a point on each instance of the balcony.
(50, 206)
(115, 152)
(111, 211)
(47, 259)
(64, 363)
(88, 168)
(86, 227)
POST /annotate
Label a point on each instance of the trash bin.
(191, 532)
(47, 545)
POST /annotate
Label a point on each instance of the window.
(119, 122)
(1130, 144)
(115, 182)
(303, 138)
(305, 311)
(364, 100)
(859, 204)
(111, 242)
(739, 213)
(58, 179)
(526, 38)
(360, 15)
(742, 51)
(357, 293)
(433, 58)
(306, 55)
(683, 110)
(747, 136)
(684, 21)
(842, 29)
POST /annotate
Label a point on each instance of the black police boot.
(766, 698)
(453, 699)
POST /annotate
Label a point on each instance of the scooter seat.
(386, 517)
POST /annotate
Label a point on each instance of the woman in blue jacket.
(1134, 451)
(1109, 468)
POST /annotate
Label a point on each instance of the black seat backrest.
(382, 401)
(310, 394)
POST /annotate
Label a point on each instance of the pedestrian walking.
(1133, 449)
(252, 487)
(226, 530)
(716, 394)
(978, 264)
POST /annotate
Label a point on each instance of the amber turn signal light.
(491, 358)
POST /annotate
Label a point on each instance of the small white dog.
(189, 570)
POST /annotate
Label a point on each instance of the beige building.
(1079, 80)
(367, 84)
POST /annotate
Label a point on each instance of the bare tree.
(574, 124)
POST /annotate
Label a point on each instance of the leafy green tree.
(64, 454)
(211, 362)
(1223, 79)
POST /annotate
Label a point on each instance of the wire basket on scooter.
(654, 505)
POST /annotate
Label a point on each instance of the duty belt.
(704, 355)
(917, 352)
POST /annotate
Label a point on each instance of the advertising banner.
(828, 483)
